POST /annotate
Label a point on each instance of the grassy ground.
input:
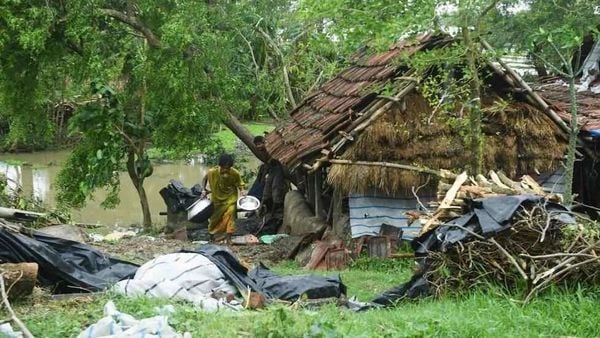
(477, 314)
(228, 139)
(225, 137)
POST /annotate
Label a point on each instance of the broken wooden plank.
(451, 194)
(379, 246)
(533, 185)
(496, 180)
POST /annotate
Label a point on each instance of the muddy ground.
(141, 249)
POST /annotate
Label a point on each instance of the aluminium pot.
(200, 211)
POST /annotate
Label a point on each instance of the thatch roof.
(319, 118)
(346, 118)
(518, 139)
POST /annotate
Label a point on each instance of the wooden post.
(19, 278)
(318, 198)
(379, 246)
(310, 189)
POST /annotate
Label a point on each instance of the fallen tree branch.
(563, 263)
(510, 258)
(416, 191)
(286, 78)
(557, 255)
(558, 273)
(13, 315)
(135, 23)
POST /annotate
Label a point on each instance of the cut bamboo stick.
(387, 165)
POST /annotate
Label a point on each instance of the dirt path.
(141, 249)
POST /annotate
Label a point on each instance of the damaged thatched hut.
(340, 140)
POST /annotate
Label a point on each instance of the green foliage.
(4, 198)
(354, 24)
(176, 67)
(19, 200)
(97, 159)
(28, 76)
(520, 31)
(366, 263)
(587, 229)
(228, 140)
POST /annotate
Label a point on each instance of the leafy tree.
(566, 42)
(161, 72)
(21, 77)
(518, 28)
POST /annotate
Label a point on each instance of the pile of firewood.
(454, 192)
(537, 251)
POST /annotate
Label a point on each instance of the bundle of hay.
(538, 249)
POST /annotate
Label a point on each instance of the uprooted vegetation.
(40, 214)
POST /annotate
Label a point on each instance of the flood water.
(37, 178)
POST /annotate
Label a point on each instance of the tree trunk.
(474, 105)
(19, 278)
(147, 216)
(538, 64)
(243, 134)
(138, 183)
(570, 165)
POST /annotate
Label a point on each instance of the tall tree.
(161, 72)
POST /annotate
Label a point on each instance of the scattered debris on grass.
(498, 231)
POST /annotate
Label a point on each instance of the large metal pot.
(200, 211)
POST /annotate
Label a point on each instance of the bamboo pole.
(439, 173)
(537, 98)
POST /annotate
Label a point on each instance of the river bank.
(35, 174)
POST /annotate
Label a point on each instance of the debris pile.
(538, 249)
(454, 192)
(486, 230)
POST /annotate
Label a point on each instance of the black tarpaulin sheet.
(64, 266)
(271, 285)
(292, 287)
(487, 217)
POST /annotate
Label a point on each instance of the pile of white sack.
(182, 276)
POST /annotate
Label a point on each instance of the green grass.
(14, 162)
(480, 313)
(227, 138)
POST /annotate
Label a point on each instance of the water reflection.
(13, 175)
(38, 175)
(40, 184)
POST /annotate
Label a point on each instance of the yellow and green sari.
(224, 194)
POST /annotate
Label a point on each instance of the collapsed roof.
(333, 118)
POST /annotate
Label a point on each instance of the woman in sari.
(225, 182)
